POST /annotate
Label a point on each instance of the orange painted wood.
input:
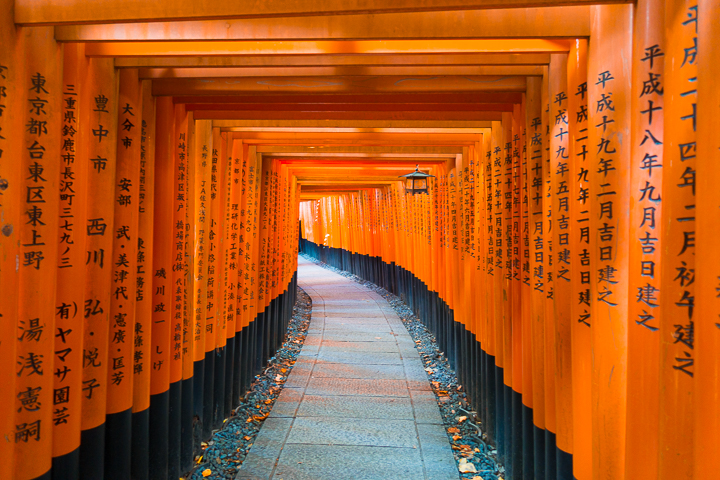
(609, 160)
(516, 243)
(504, 222)
(489, 333)
(563, 250)
(385, 84)
(72, 253)
(112, 11)
(163, 238)
(677, 241)
(251, 302)
(125, 244)
(291, 61)
(479, 237)
(243, 251)
(707, 339)
(315, 72)
(327, 47)
(11, 77)
(219, 173)
(233, 233)
(468, 252)
(645, 263)
(537, 250)
(189, 352)
(549, 287)
(101, 112)
(525, 271)
(264, 235)
(580, 260)
(142, 329)
(568, 22)
(39, 87)
(496, 319)
(199, 227)
(180, 359)
(201, 191)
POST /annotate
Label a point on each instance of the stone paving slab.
(357, 386)
(363, 358)
(371, 372)
(360, 347)
(372, 432)
(357, 403)
(325, 462)
(355, 336)
(396, 408)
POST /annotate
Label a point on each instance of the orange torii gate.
(152, 175)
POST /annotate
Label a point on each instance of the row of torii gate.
(156, 157)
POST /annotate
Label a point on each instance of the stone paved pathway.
(357, 403)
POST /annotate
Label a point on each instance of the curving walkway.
(357, 403)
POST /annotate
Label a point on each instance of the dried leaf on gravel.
(466, 467)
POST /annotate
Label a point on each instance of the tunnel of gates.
(149, 219)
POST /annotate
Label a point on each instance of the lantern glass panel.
(420, 183)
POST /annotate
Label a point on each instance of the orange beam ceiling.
(224, 72)
(299, 135)
(53, 12)
(354, 116)
(292, 61)
(345, 85)
(350, 149)
(362, 99)
(568, 22)
(324, 47)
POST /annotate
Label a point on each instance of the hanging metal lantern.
(417, 181)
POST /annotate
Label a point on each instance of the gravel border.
(226, 450)
(462, 426)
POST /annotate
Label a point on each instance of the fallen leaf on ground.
(461, 419)
(207, 473)
(453, 430)
(466, 467)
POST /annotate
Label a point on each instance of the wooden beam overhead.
(406, 99)
(349, 116)
(324, 47)
(351, 135)
(371, 149)
(344, 85)
(352, 107)
(532, 70)
(52, 12)
(292, 61)
(346, 182)
(308, 160)
(373, 125)
(555, 22)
